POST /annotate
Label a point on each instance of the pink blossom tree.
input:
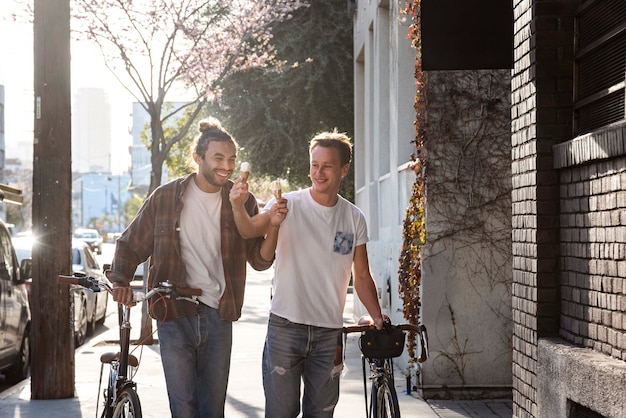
(161, 50)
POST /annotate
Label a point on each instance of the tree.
(160, 48)
(273, 114)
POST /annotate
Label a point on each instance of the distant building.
(91, 131)
(98, 201)
(140, 155)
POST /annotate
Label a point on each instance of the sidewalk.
(245, 390)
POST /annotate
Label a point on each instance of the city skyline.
(87, 71)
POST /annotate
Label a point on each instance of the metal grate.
(602, 68)
(600, 113)
(600, 64)
(597, 19)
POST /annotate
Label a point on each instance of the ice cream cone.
(276, 189)
(244, 172)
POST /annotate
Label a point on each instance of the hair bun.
(209, 124)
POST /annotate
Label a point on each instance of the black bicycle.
(378, 348)
(120, 396)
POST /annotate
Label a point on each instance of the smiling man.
(320, 243)
(187, 229)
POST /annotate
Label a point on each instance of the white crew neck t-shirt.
(201, 243)
(314, 259)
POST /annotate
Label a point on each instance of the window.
(599, 64)
(76, 257)
(90, 261)
(6, 262)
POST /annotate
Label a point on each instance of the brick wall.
(541, 117)
(593, 240)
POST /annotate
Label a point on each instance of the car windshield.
(85, 235)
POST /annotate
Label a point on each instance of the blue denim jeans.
(295, 352)
(195, 352)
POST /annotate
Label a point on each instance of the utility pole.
(52, 367)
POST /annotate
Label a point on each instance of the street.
(111, 316)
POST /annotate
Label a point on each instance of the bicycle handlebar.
(420, 330)
(362, 328)
(87, 282)
(96, 285)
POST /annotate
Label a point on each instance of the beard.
(214, 180)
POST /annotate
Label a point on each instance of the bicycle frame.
(119, 370)
(383, 401)
(121, 399)
(382, 378)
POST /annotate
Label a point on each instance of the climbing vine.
(414, 229)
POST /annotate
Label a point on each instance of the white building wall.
(474, 356)
(384, 95)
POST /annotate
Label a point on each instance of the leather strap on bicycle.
(188, 291)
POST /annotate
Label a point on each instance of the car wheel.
(80, 333)
(19, 370)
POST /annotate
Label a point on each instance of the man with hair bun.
(186, 228)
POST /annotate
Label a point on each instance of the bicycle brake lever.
(89, 283)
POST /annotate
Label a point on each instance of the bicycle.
(378, 348)
(120, 396)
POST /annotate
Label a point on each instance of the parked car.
(92, 237)
(89, 307)
(14, 313)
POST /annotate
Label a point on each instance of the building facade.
(140, 154)
(466, 261)
(569, 208)
(564, 148)
(91, 131)
(98, 201)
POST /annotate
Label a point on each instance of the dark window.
(600, 64)
(466, 34)
(578, 411)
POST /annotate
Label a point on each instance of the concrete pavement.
(245, 391)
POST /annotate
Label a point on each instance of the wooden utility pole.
(52, 367)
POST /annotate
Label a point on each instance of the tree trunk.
(53, 364)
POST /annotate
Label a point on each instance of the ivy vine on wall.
(414, 229)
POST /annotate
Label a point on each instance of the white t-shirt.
(314, 259)
(201, 243)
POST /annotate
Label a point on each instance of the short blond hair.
(333, 139)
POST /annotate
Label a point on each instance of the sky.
(87, 70)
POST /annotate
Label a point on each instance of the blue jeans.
(295, 352)
(195, 352)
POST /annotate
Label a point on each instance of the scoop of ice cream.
(276, 189)
(244, 171)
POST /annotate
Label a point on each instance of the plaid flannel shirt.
(154, 233)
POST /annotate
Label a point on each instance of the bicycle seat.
(110, 357)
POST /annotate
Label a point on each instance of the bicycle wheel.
(107, 412)
(387, 400)
(127, 405)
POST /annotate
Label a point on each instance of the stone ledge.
(566, 372)
(605, 143)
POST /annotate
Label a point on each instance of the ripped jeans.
(295, 352)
